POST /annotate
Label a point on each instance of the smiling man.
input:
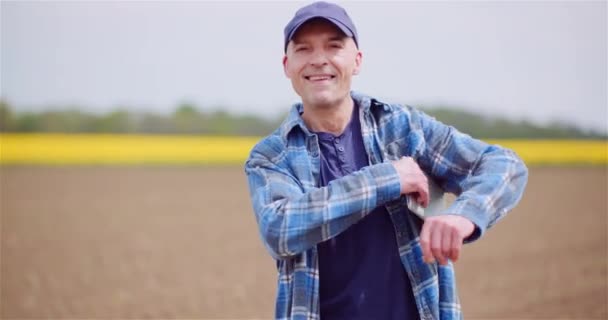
(330, 189)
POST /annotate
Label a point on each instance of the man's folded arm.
(291, 221)
(489, 180)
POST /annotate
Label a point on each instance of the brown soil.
(165, 242)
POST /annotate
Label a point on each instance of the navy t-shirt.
(360, 272)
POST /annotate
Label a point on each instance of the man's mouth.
(320, 77)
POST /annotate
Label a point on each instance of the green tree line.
(188, 119)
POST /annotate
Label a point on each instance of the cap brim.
(335, 22)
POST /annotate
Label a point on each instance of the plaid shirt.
(294, 214)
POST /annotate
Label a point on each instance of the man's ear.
(285, 66)
(358, 61)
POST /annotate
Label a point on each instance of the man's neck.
(329, 119)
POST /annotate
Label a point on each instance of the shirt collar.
(294, 118)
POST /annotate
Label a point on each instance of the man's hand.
(441, 237)
(413, 181)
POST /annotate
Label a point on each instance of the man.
(329, 189)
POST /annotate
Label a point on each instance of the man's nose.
(318, 58)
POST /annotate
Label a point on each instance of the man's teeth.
(319, 78)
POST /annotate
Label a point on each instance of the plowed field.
(181, 242)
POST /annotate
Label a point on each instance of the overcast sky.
(542, 60)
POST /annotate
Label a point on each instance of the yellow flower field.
(64, 149)
(68, 149)
(559, 151)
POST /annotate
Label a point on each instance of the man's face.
(320, 61)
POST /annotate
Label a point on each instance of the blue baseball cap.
(321, 9)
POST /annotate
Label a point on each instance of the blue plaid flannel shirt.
(294, 214)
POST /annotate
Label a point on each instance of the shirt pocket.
(408, 146)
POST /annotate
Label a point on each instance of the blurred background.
(124, 126)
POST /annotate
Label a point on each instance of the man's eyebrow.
(338, 38)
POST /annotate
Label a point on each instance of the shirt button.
(337, 140)
(341, 148)
(342, 158)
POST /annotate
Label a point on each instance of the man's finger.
(425, 242)
(446, 243)
(436, 242)
(456, 246)
(423, 194)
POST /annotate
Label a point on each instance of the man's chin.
(321, 100)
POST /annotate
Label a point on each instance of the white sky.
(543, 60)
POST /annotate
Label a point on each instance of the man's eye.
(336, 45)
(301, 49)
